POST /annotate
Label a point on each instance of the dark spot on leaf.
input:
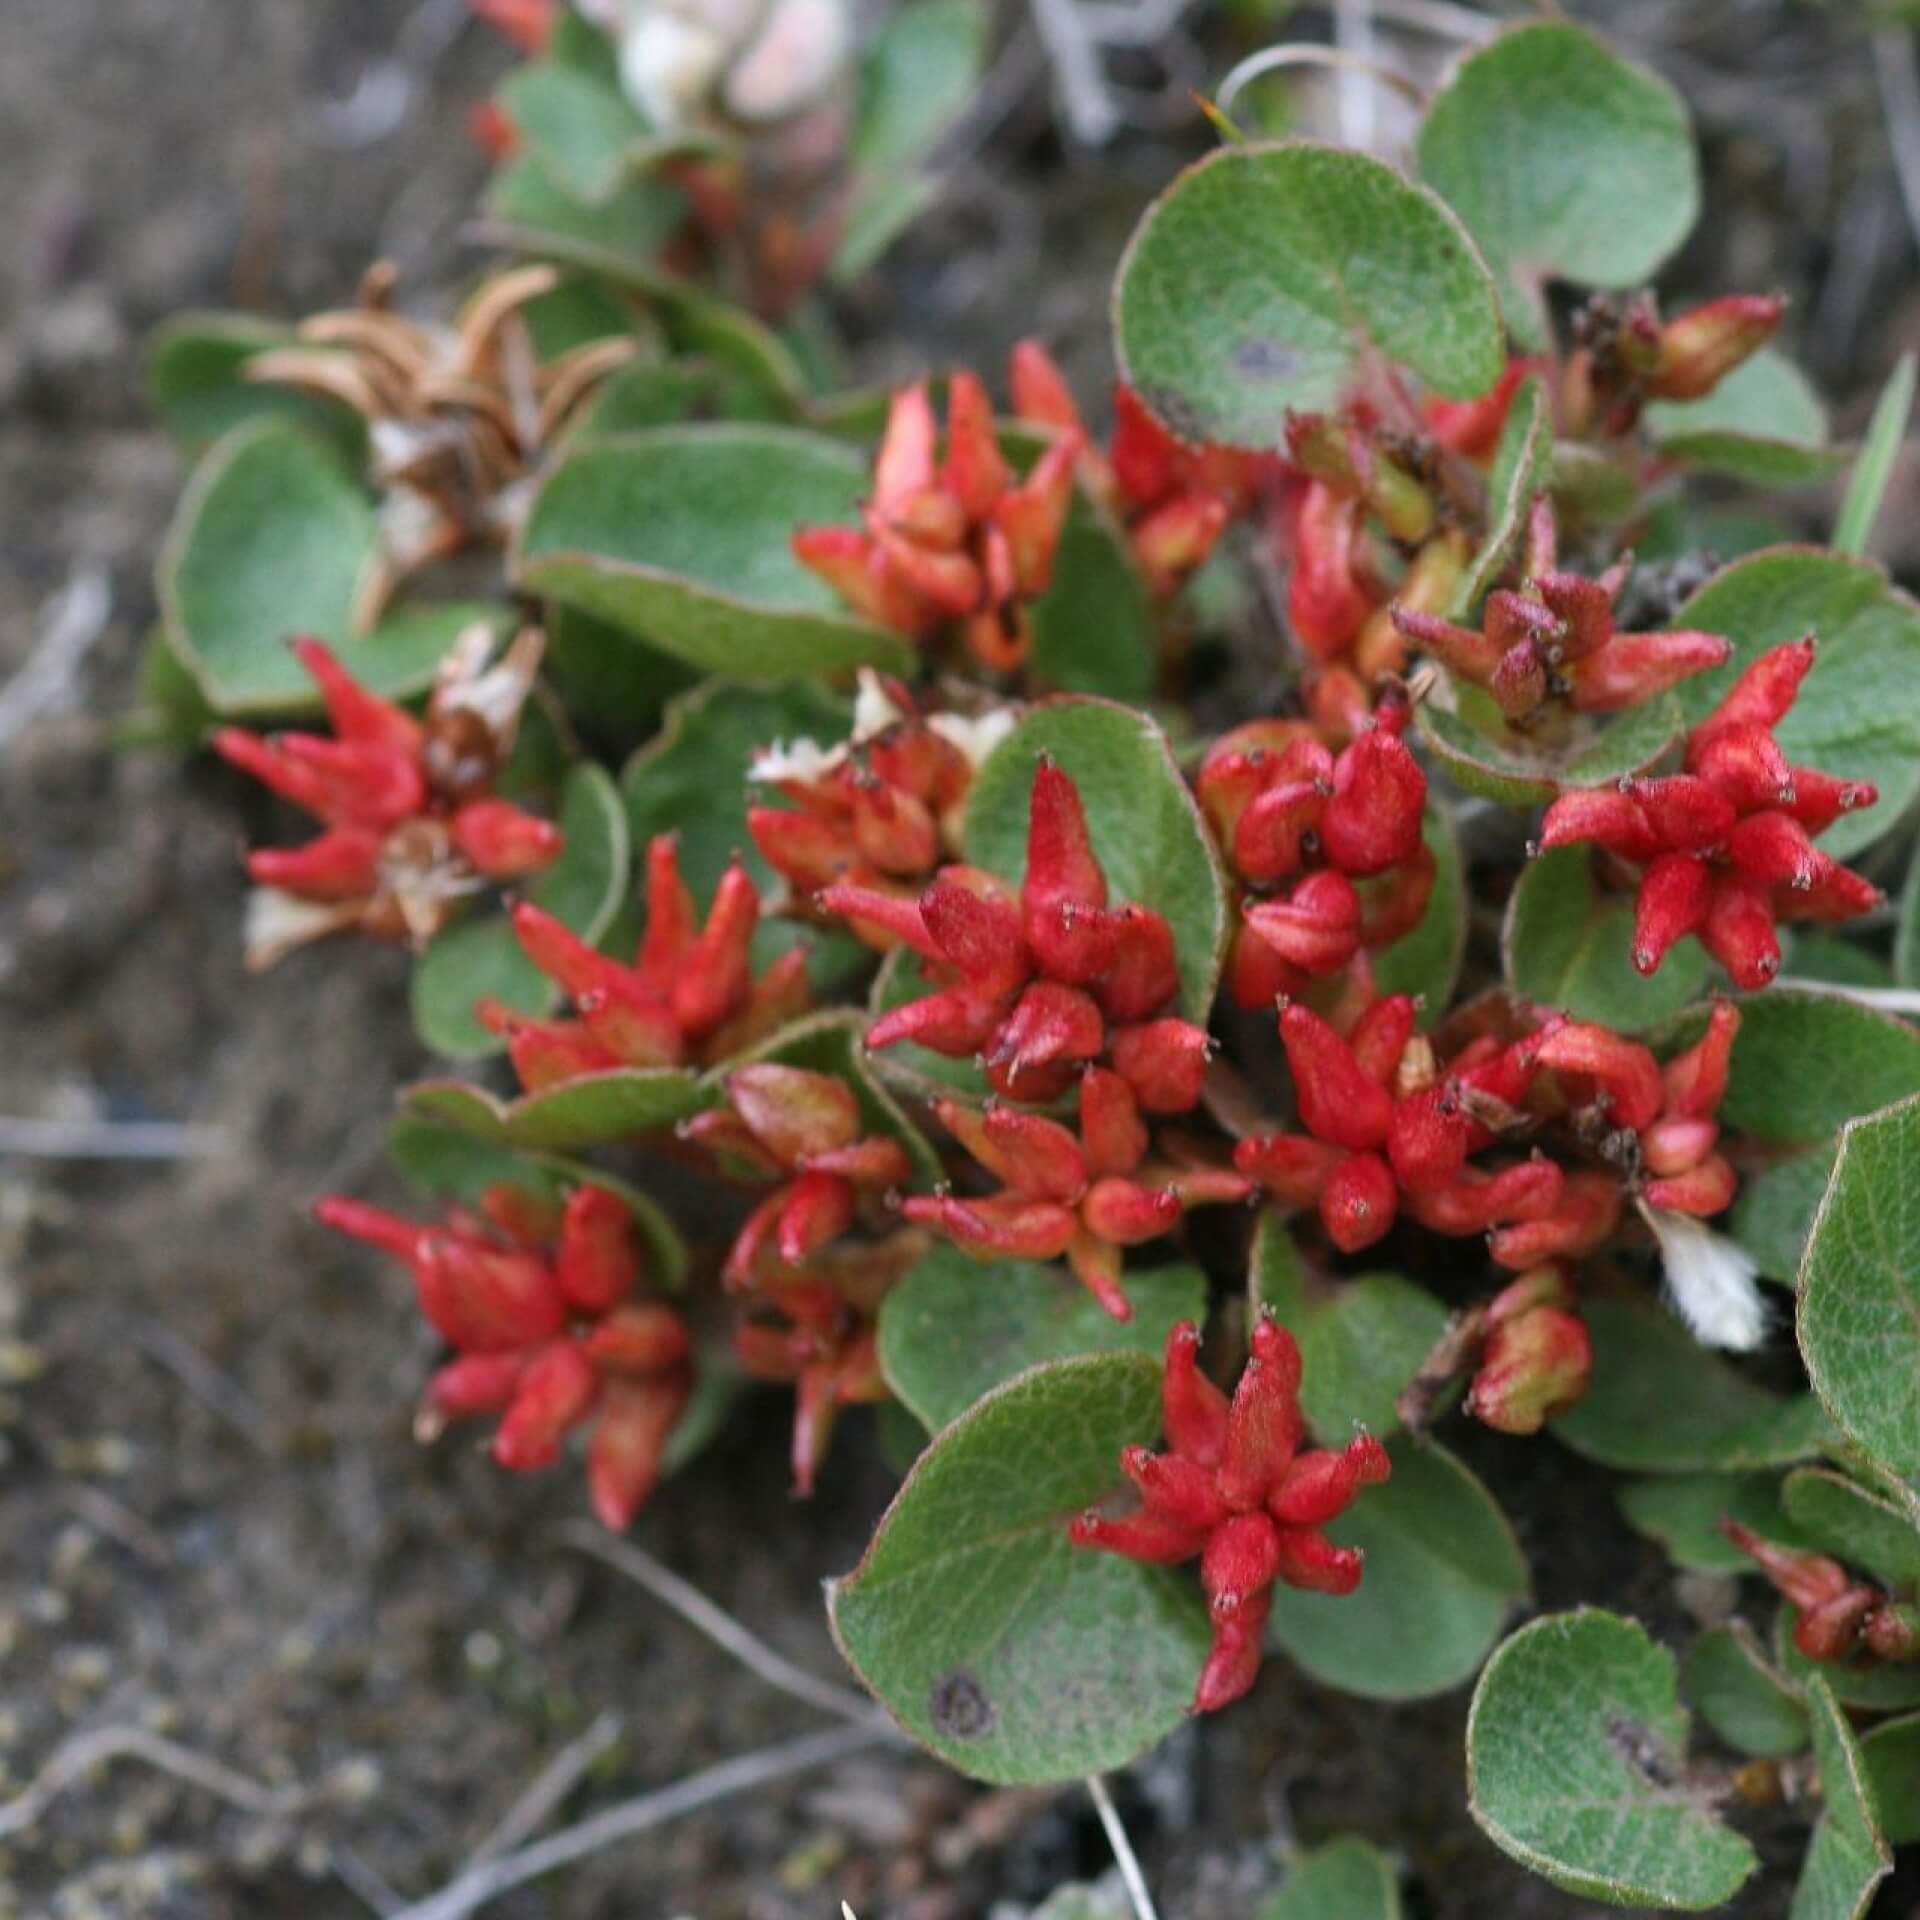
(959, 1707)
(1266, 360)
(1643, 1750)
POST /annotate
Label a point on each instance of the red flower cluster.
(1235, 1490)
(879, 810)
(412, 826)
(807, 1313)
(1839, 1615)
(690, 996)
(1174, 500)
(1288, 812)
(1087, 1197)
(957, 541)
(1387, 1129)
(537, 1302)
(1553, 639)
(1042, 983)
(1727, 847)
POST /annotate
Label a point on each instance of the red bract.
(1288, 813)
(1726, 848)
(1627, 357)
(1536, 1357)
(1175, 500)
(689, 998)
(1088, 1197)
(537, 1301)
(1045, 982)
(804, 1131)
(1234, 1490)
(1553, 640)
(882, 808)
(1386, 1128)
(1839, 1615)
(951, 543)
(413, 828)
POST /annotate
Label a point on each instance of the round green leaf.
(1739, 1695)
(1522, 466)
(1683, 1512)
(273, 538)
(1843, 1518)
(480, 958)
(1145, 827)
(1848, 1858)
(1426, 962)
(1347, 1880)
(1014, 1655)
(1575, 1744)
(1094, 629)
(1858, 714)
(1860, 1289)
(1662, 1403)
(683, 537)
(1775, 1210)
(1254, 282)
(1565, 161)
(578, 127)
(1361, 1340)
(955, 1327)
(1763, 423)
(1443, 1572)
(1569, 945)
(1892, 1755)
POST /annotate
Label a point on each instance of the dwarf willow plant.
(1121, 1105)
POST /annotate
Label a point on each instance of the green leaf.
(531, 212)
(1662, 1403)
(1833, 957)
(1522, 465)
(1763, 423)
(919, 75)
(597, 1109)
(1775, 1210)
(1906, 936)
(1892, 1755)
(1843, 1518)
(1575, 1742)
(452, 1164)
(480, 958)
(682, 537)
(580, 129)
(1255, 281)
(1874, 1685)
(1443, 1572)
(1569, 945)
(1361, 1340)
(616, 686)
(1094, 629)
(1426, 962)
(1848, 1858)
(275, 537)
(1565, 161)
(1683, 1511)
(954, 1327)
(1014, 1655)
(1480, 753)
(1145, 827)
(829, 1043)
(1859, 1320)
(168, 709)
(1858, 714)
(195, 370)
(1345, 1880)
(1739, 1695)
(1867, 484)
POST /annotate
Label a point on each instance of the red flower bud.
(1144, 972)
(1310, 1561)
(1268, 841)
(1040, 391)
(1316, 928)
(1702, 1190)
(1294, 1166)
(1701, 347)
(1532, 1366)
(1819, 799)
(1051, 1027)
(1320, 1486)
(793, 1113)
(1626, 1075)
(596, 1263)
(1675, 892)
(1606, 817)
(1379, 794)
(1529, 1190)
(1840, 894)
(629, 1444)
(1326, 604)
(474, 1383)
(1359, 1202)
(1194, 1409)
(1584, 1217)
(1474, 656)
(1739, 932)
(955, 1024)
(1746, 764)
(555, 1393)
(1338, 1100)
(1175, 1488)
(975, 927)
(1033, 516)
(1773, 850)
(1696, 1080)
(817, 1209)
(1174, 540)
(356, 714)
(1035, 1157)
(1893, 1632)
(1164, 1062)
(1687, 814)
(545, 1053)
(975, 472)
(1114, 1135)
(638, 1341)
(997, 1228)
(341, 864)
(1126, 1214)
(1265, 1426)
(1428, 1139)
(1634, 668)
(502, 842)
(716, 976)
